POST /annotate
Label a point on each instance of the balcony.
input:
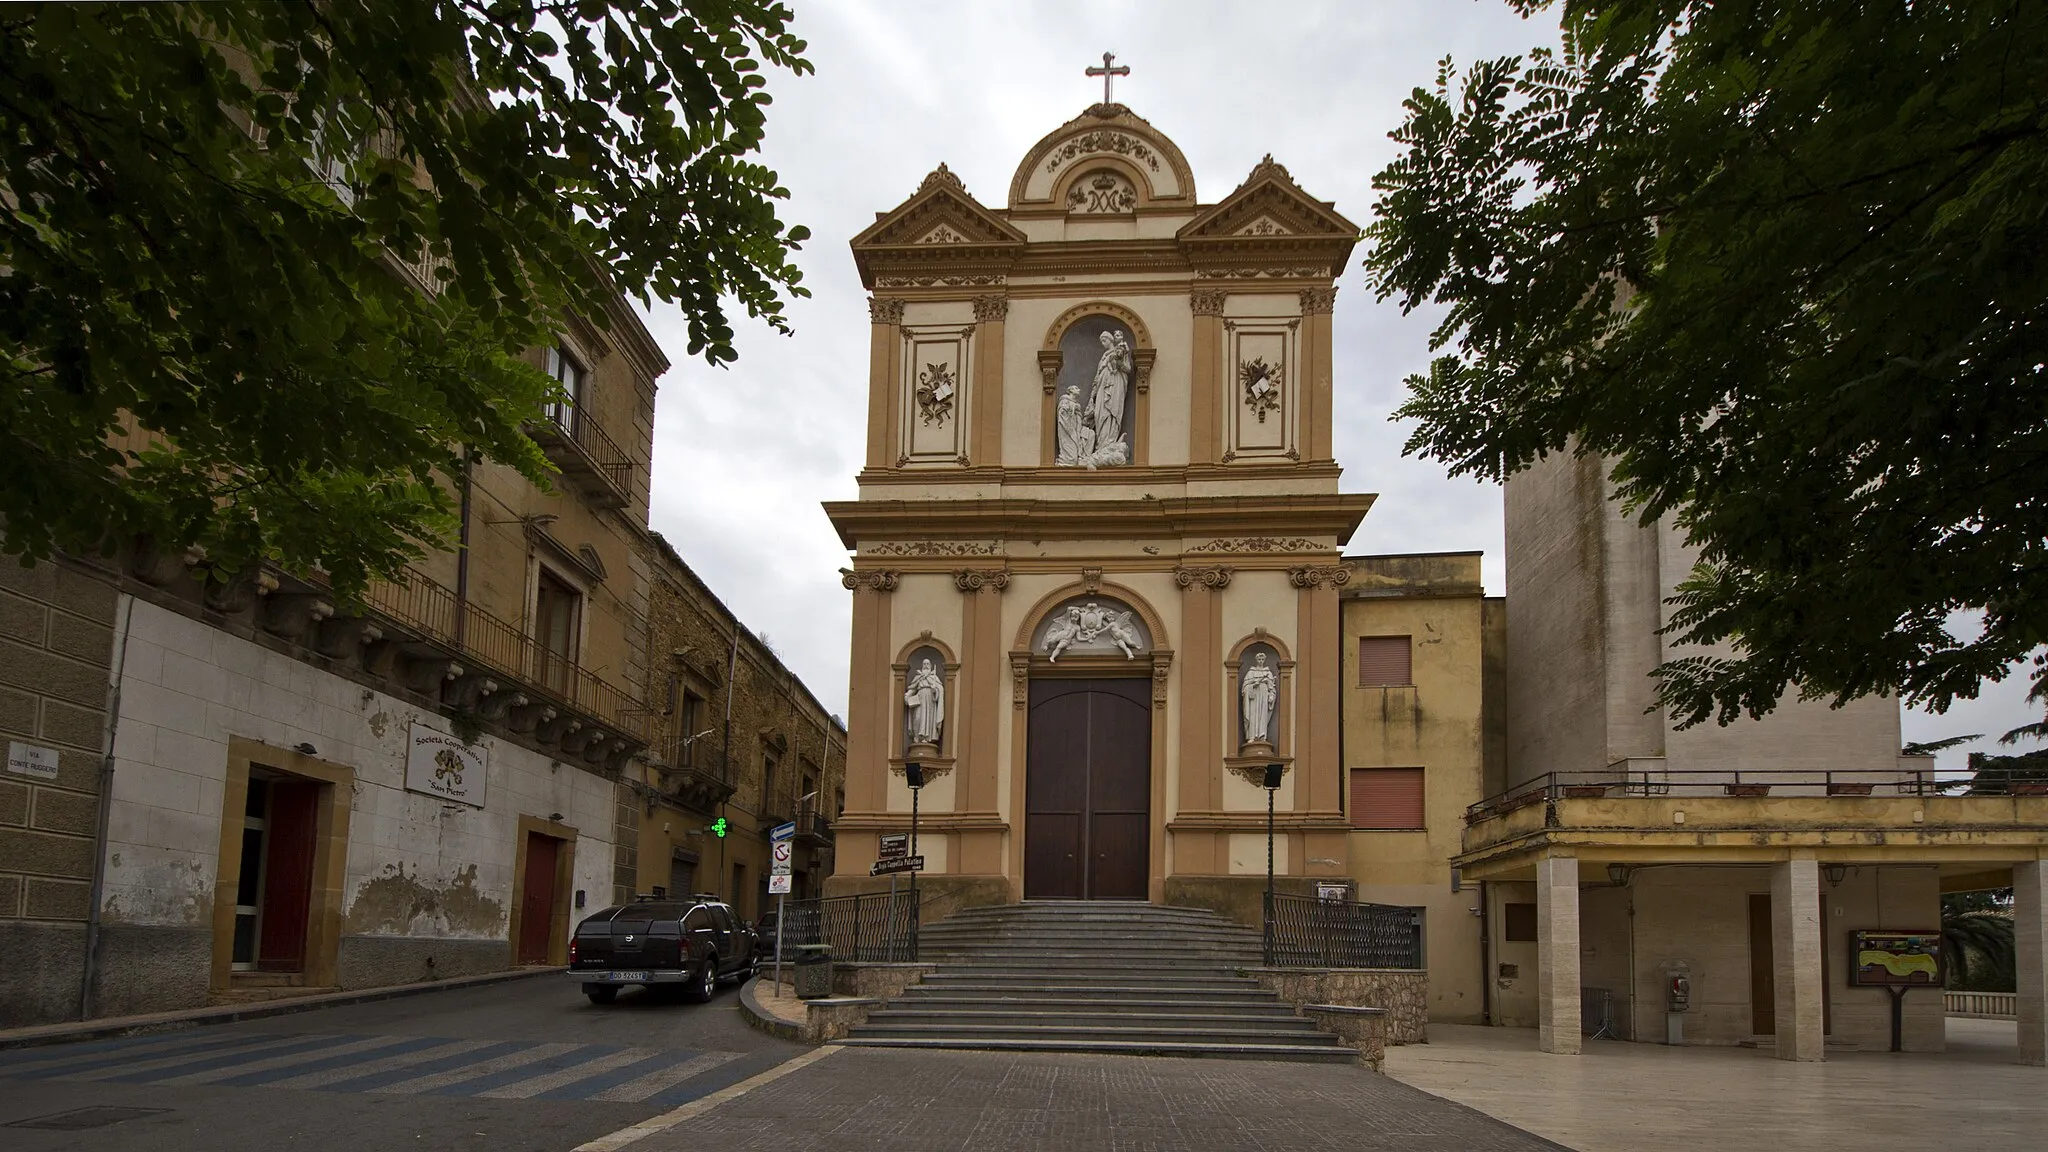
(590, 460)
(696, 778)
(481, 664)
(1638, 812)
(813, 830)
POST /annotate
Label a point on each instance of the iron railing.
(1689, 782)
(811, 823)
(1309, 932)
(577, 427)
(877, 928)
(425, 607)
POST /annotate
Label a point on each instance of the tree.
(1777, 264)
(204, 210)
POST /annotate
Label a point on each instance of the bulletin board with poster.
(1895, 959)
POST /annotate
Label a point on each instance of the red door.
(537, 901)
(287, 875)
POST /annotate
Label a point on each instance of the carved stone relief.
(1261, 382)
(936, 548)
(1215, 576)
(1262, 544)
(1092, 625)
(943, 234)
(1319, 300)
(935, 390)
(884, 310)
(869, 580)
(1207, 301)
(1102, 192)
(988, 309)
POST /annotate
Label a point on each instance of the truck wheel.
(707, 985)
(601, 993)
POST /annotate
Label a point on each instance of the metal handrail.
(420, 604)
(587, 434)
(1699, 782)
(874, 928)
(1311, 932)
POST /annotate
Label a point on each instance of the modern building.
(1095, 554)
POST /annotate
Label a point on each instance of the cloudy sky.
(744, 455)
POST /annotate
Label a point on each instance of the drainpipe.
(462, 545)
(1485, 962)
(106, 807)
(732, 669)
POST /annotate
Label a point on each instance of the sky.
(745, 455)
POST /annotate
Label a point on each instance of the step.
(1304, 1053)
(1121, 1006)
(1281, 1020)
(1179, 991)
(1033, 978)
(1145, 1030)
(1092, 967)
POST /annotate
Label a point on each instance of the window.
(555, 611)
(1383, 661)
(1518, 923)
(569, 374)
(768, 782)
(692, 726)
(1386, 798)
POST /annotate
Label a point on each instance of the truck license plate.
(630, 977)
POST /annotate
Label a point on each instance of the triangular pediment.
(1269, 204)
(940, 213)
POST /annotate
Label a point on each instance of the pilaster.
(1205, 411)
(980, 712)
(2030, 936)
(1318, 664)
(985, 446)
(884, 368)
(1316, 306)
(868, 720)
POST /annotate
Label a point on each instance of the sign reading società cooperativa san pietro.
(442, 766)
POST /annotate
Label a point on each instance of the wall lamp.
(1835, 873)
(1617, 875)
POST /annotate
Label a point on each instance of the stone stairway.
(1095, 976)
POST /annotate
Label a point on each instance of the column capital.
(1207, 301)
(885, 310)
(1319, 300)
(1319, 576)
(988, 309)
(981, 579)
(872, 579)
(1212, 576)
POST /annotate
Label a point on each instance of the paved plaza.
(861, 1099)
(1620, 1097)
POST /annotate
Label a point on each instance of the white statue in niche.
(925, 702)
(1112, 381)
(1075, 440)
(1259, 689)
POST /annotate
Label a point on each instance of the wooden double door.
(1088, 789)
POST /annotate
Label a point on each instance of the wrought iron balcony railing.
(588, 457)
(427, 608)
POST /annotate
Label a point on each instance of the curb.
(764, 1020)
(116, 1026)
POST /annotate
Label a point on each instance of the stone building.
(307, 794)
(1765, 878)
(736, 735)
(1423, 667)
(1095, 569)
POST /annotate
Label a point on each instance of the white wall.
(188, 688)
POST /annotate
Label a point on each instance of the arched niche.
(909, 660)
(1041, 613)
(1244, 654)
(1092, 624)
(1068, 362)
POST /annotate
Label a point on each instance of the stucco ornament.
(1260, 692)
(1084, 623)
(1261, 386)
(925, 699)
(935, 393)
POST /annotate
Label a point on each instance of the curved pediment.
(1109, 141)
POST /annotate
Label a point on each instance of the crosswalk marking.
(535, 1085)
(531, 1055)
(385, 1064)
(634, 1091)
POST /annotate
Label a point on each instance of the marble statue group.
(1090, 432)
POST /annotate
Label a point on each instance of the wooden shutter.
(1382, 661)
(1386, 798)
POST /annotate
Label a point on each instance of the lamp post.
(1273, 774)
(913, 775)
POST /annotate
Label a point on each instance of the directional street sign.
(894, 846)
(783, 831)
(905, 864)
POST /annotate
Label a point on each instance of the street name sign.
(893, 846)
(902, 864)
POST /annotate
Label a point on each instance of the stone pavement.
(1621, 1097)
(889, 1100)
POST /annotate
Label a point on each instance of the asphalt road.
(526, 1064)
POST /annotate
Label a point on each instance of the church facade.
(1095, 555)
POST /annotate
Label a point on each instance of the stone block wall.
(56, 648)
(1403, 992)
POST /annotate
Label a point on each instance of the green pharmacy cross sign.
(719, 827)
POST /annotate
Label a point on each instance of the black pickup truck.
(695, 942)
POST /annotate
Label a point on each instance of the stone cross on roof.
(1109, 71)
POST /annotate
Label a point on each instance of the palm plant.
(1977, 946)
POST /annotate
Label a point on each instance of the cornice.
(1155, 475)
(1333, 514)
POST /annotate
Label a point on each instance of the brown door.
(1087, 790)
(287, 875)
(1763, 981)
(537, 899)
